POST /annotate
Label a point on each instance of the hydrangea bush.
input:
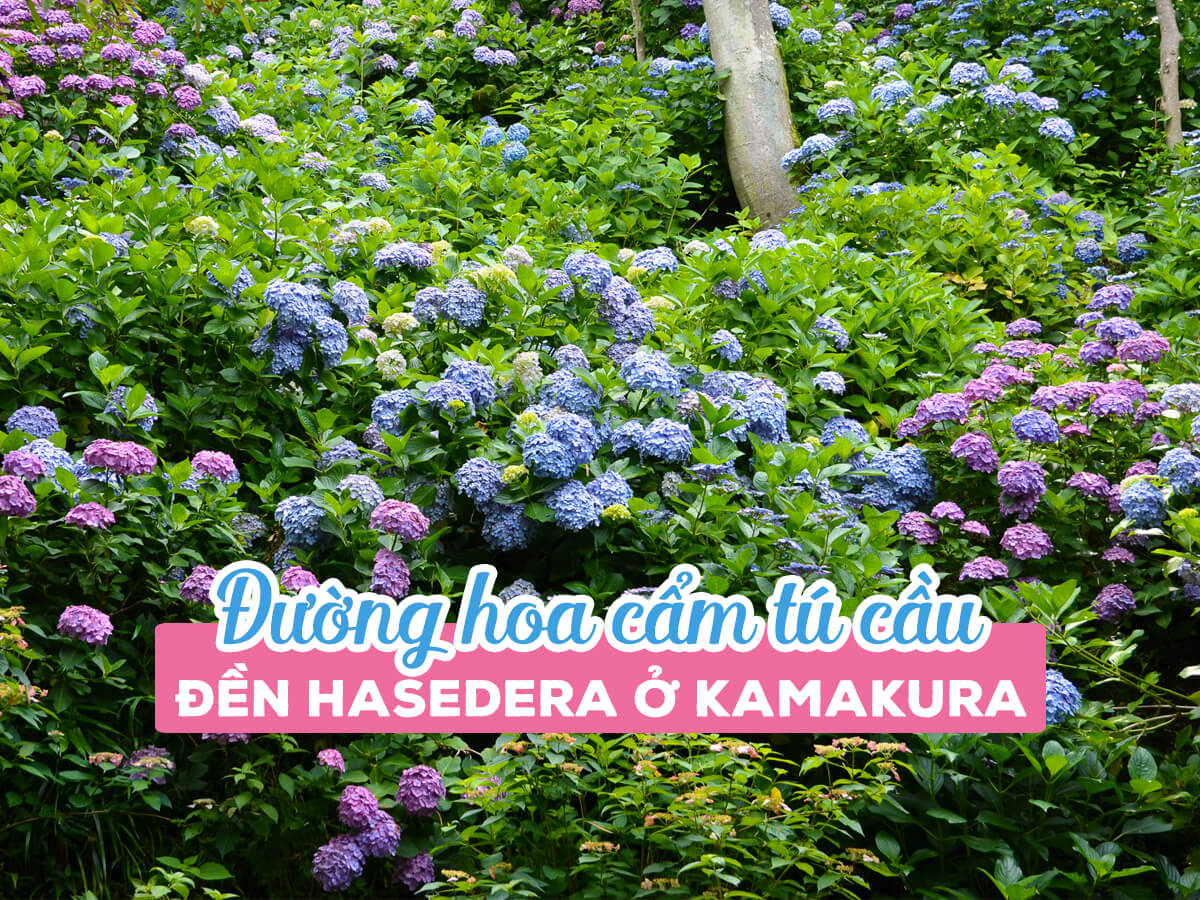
(378, 293)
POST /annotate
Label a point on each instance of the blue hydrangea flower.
(492, 136)
(1058, 128)
(422, 114)
(827, 326)
(1035, 426)
(464, 303)
(589, 268)
(575, 508)
(650, 370)
(577, 434)
(610, 489)
(832, 109)
(657, 259)
(332, 339)
(518, 132)
(513, 152)
(506, 527)
(1143, 504)
(116, 406)
(629, 437)
(767, 415)
(362, 488)
(346, 451)
(300, 518)
(667, 440)
(450, 397)
(225, 120)
(781, 16)
(1087, 251)
(968, 73)
(564, 389)
(1182, 469)
(809, 36)
(1062, 698)
(548, 458)
(729, 348)
(478, 479)
(352, 301)
(387, 408)
(830, 381)
(1131, 248)
(892, 92)
(403, 253)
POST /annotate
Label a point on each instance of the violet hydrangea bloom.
(85, 623)
(916, 525)
(24, 464)
(1026, 541)
(15, 498)
(1113, 602)
(215, 464)
(295, 578)
(332, 759)
(420, 790)
(413, 872)
(400, 518)
(380, 837)
(91, 515)
(357, 806)
(337, 864)
(121, 457)
(947, 510)
(195, 586)
(390, 574)
(983, 568)
(976, 450)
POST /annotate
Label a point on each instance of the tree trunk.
(639, 33)
(758, 118)
(1168, 70)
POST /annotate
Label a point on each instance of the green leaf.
(946, 816)
(1142, 766)
(212, 871)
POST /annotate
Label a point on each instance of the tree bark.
(758, 117)
(639, 33)
(1168, 70)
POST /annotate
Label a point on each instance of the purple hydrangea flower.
(917, 525)
(357, 806)
(1113, 602)
(24, 465)
(332, 759)
(400, 518)
(983, 568)
(195, 587)
(390, 574)
(1026, 541)
(420, 790)
(296, 578)
(15, 498)
(380, 838)
(976, 450)
(337, 864)
(85, 623)
(413, 872)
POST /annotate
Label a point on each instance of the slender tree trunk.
(758, 118)
(1168, 70)
(639, 33)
